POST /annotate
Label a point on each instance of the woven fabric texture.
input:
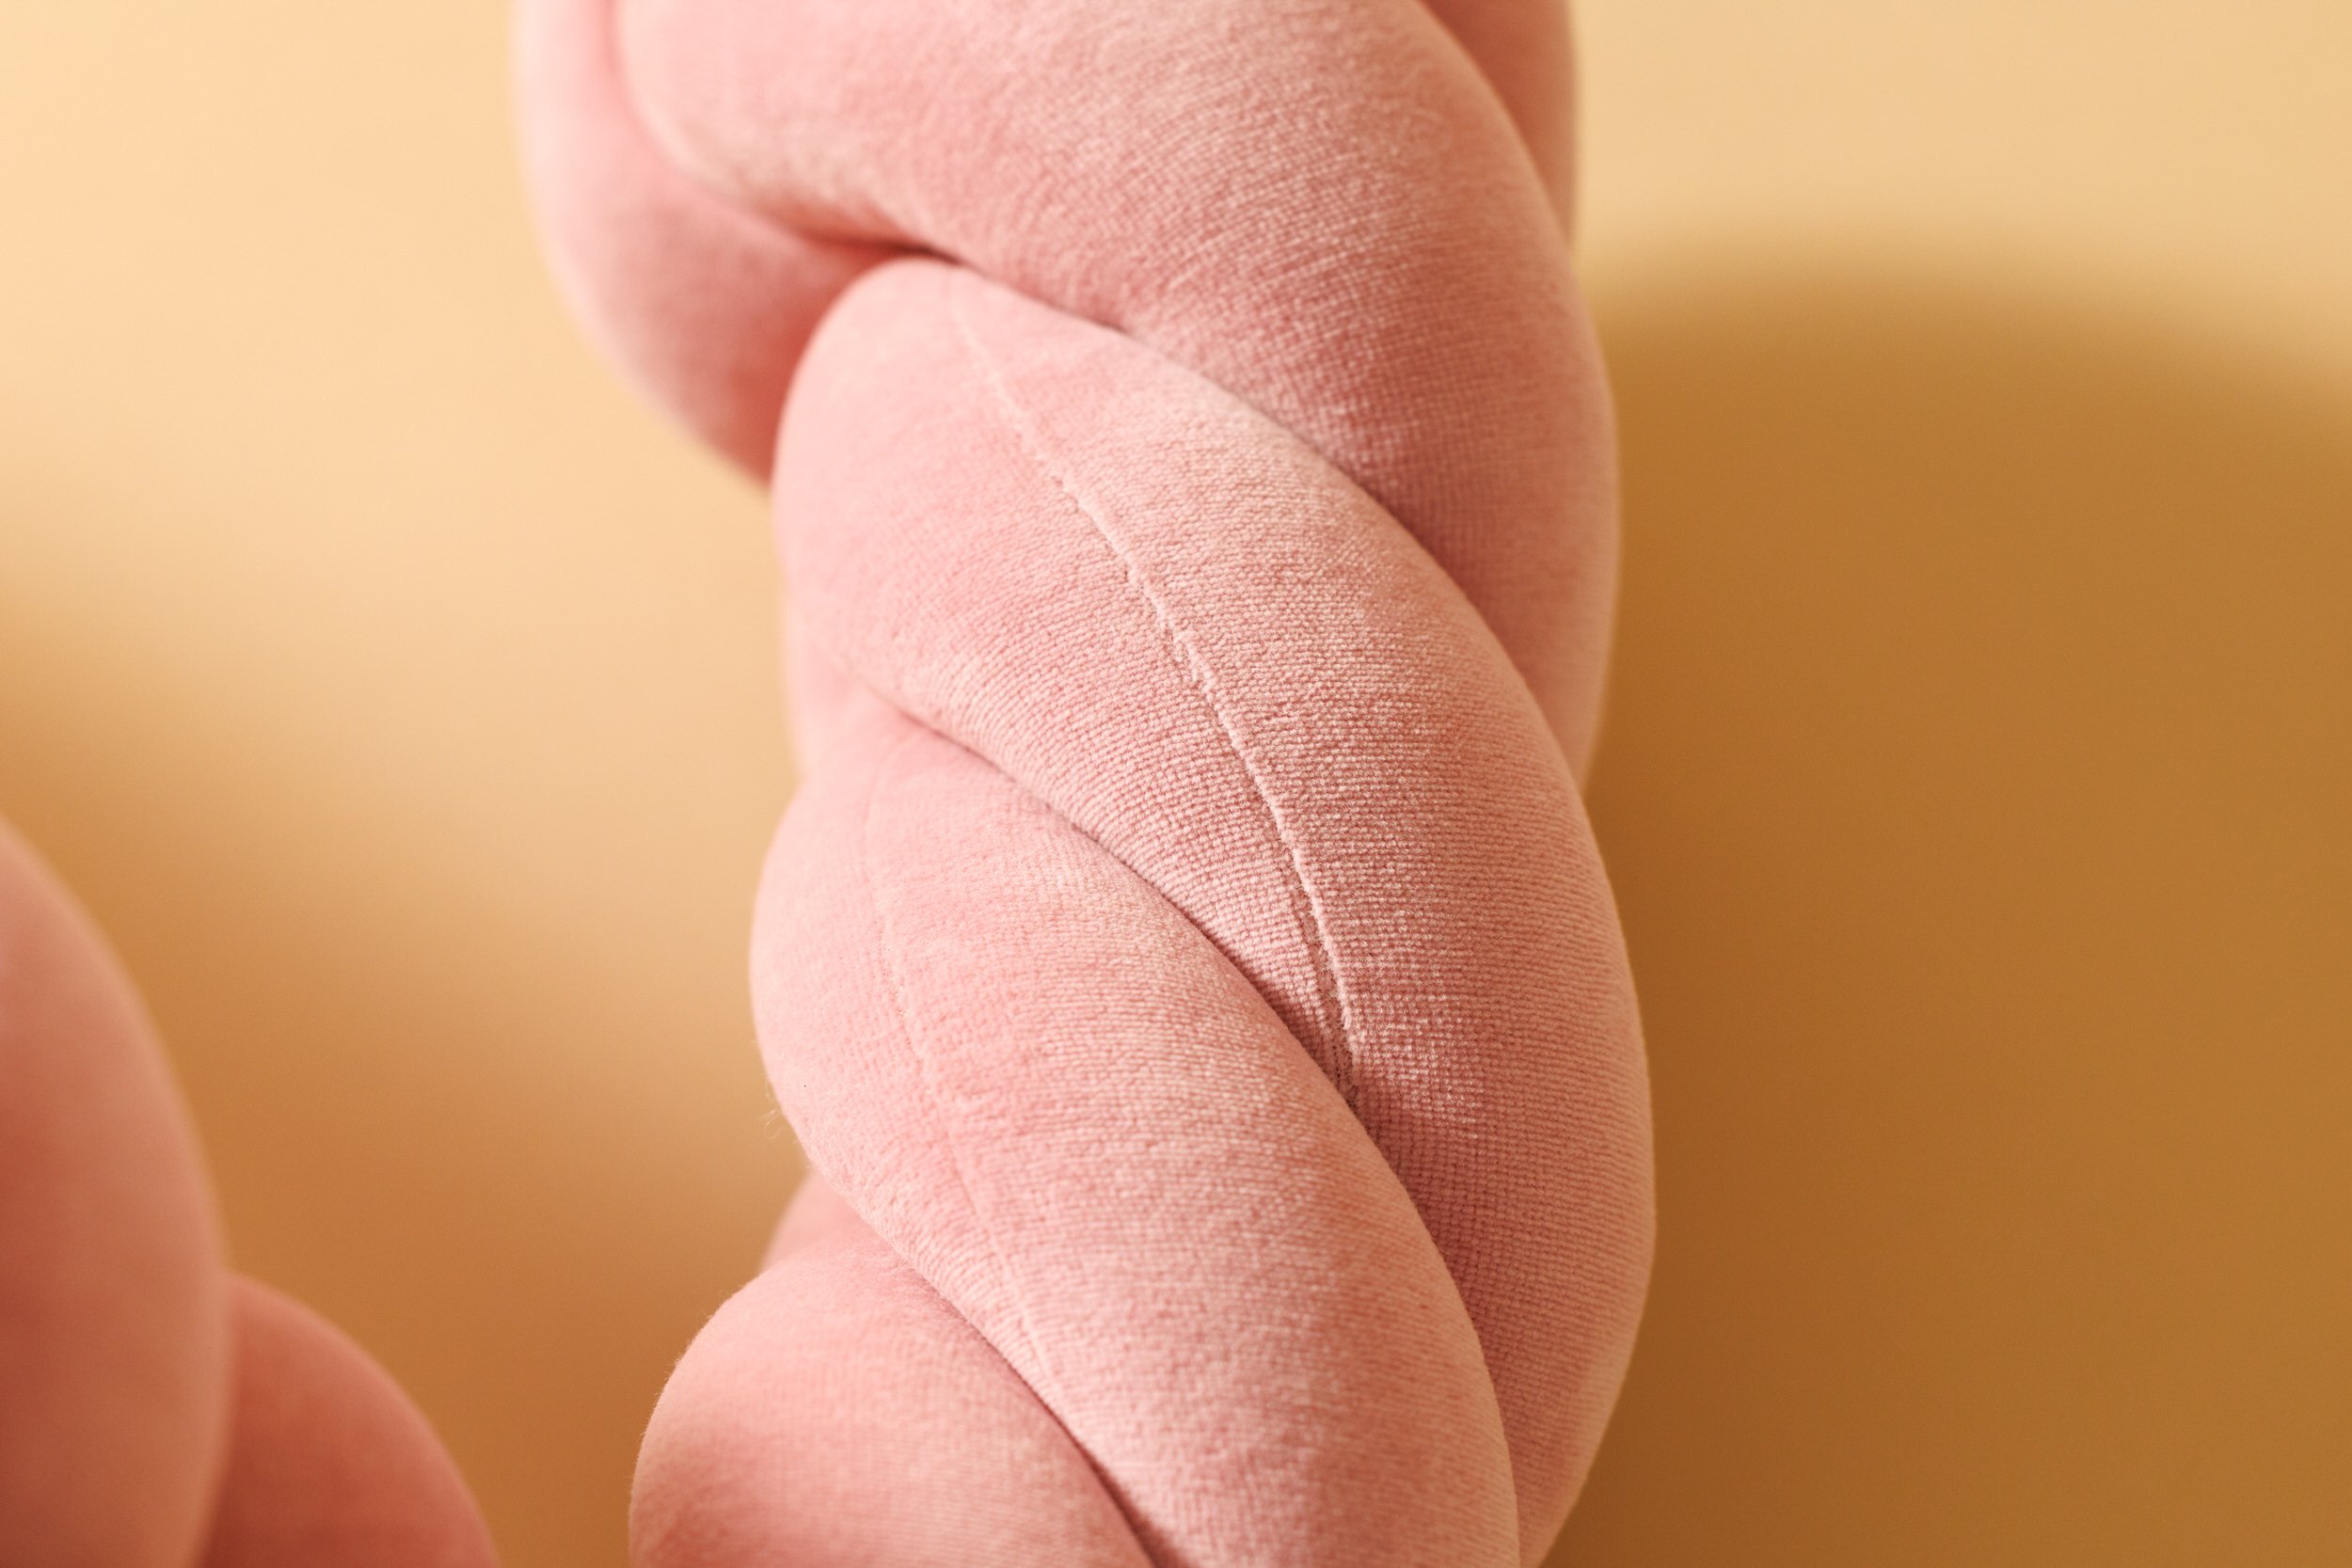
(1187, 963)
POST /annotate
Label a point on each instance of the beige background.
(400, 695)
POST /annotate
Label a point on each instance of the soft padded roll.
(1187, 963)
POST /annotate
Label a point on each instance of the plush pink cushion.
(1187, 963)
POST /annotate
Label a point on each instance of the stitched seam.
(897, 991)
(1330, 987)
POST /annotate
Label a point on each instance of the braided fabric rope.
(1187, 963)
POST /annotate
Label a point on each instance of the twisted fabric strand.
(1187, 962)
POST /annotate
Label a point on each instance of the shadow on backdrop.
(1977, 792)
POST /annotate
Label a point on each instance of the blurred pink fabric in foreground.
(1186, 965)
(156, 1412)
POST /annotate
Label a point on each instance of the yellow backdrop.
(401, 697)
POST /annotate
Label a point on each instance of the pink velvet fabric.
(155, 1412)
(1186, 965)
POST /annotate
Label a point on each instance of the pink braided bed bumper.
(1187, 963)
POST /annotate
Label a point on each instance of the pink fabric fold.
(1187, 963)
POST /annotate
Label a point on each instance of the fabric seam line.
(1330, 987)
